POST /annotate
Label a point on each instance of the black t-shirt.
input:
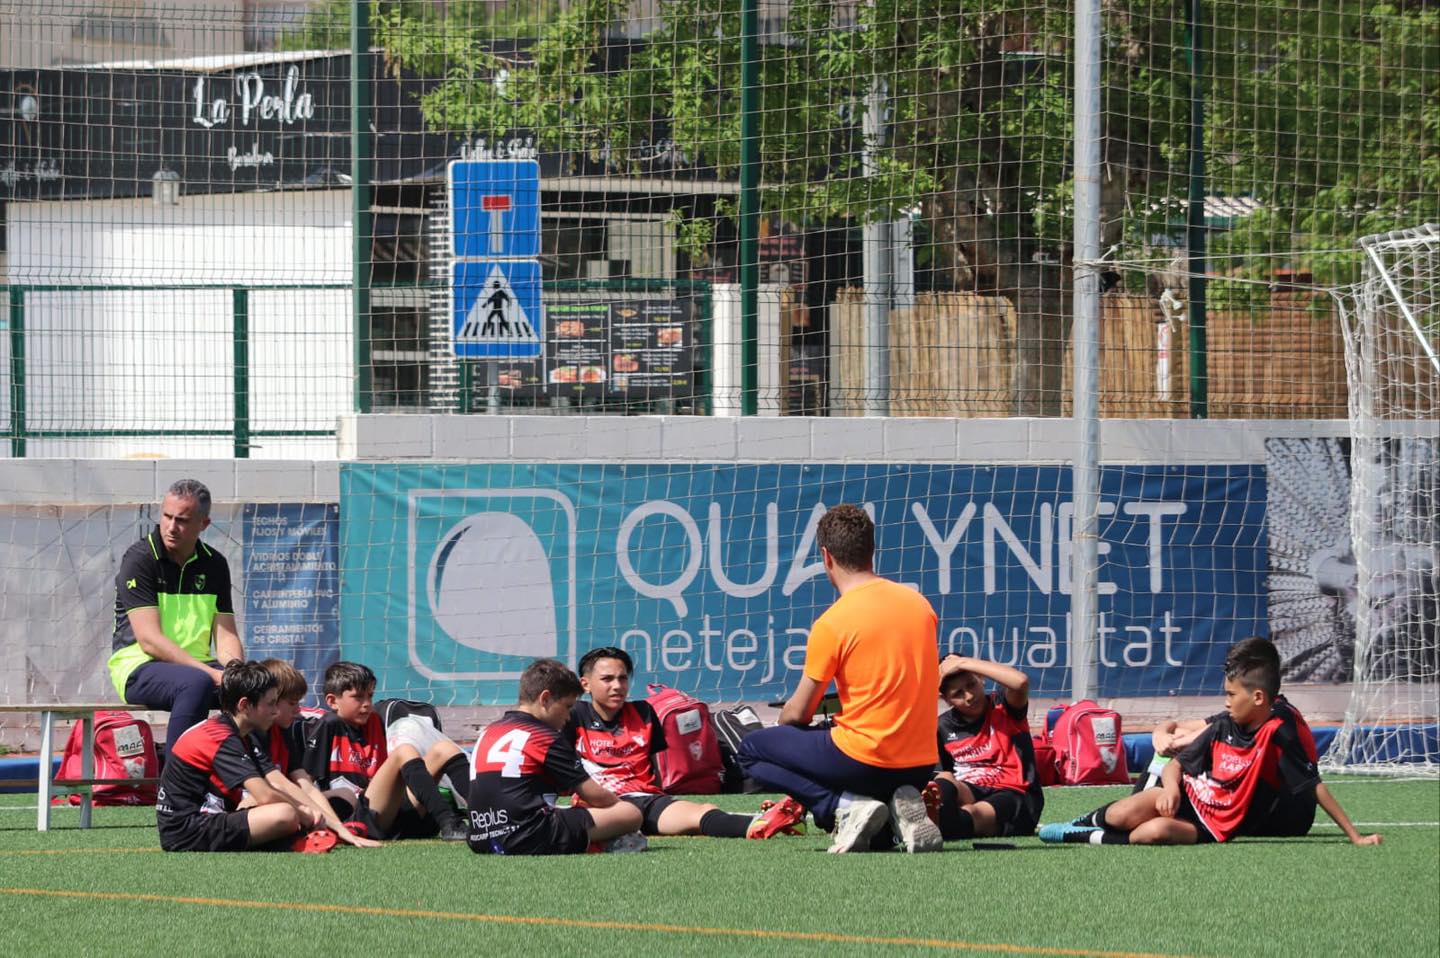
(519, 766)
(207, 771)
(993, 751)
(339, 755)
(619, 754)
(149, 578)
(284, 746)
(1233, 776)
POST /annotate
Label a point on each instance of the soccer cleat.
(912, 821)
(357, 828)
(1057, 832)
(932, 798)
(785, 817)
(629, 842)
(317, 841)
(856, 824)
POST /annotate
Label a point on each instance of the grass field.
(111, 891)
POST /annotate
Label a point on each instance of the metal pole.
(17, 372)
(1195, 218)
(749, 208)
(360, 147)
(240, 376)
(1083, 632)
(879, 267)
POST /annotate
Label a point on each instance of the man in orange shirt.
(877, 642)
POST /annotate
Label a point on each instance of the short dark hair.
(1253, 647)
(288, 679)
(243, 680)
(345, 677)
(194, 490)
(847, 533)
(951, 678)
(588, 660)
(548, 675)
(1255, 664)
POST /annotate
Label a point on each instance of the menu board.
(627, 349)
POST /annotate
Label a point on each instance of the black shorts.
(408, 822)
(559, 831)
(651, 808)
(201, 832)
(1016, 813)
(1186, 813)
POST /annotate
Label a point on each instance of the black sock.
(1095, 819)
(417, 778)
(1111, 837)
(458, 770)
(718, 824)
(956, 824)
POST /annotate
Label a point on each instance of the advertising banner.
(708, 574)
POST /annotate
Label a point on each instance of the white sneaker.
(912, 825)
(857, 823)
(629, 842)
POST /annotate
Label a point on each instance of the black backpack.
(731, 726)
(391, 709)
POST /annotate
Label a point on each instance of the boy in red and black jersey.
(618, 740)
(284, 744)
(391, 794)
(1249, 771)
(523, 761)
(988, 783)
(215, 763)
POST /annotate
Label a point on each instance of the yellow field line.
(757, 933)
(76, 851)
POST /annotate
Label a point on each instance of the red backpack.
(690, 764)
(1089, 749)
(124, 748)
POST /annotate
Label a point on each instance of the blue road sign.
(497, 313)
(495, 209)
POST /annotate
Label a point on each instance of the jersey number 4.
(508, 751)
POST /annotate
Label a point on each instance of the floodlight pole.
(1196, 266)
(1084, 672)
(749, 252)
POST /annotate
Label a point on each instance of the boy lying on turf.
(1245, 773)
(618, 740)
(523, 761)
(215, 762)
(388, 794)
(988, 783)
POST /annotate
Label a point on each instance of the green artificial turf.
(1309, 896)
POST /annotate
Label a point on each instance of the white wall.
(164, 359)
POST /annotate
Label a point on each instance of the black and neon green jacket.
(188, 597)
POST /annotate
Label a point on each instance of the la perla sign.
(284, 106)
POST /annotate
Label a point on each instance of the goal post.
(1391, 323)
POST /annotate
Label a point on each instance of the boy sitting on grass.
(214, 763)
(284, 744)
(988, 784)
(618, 740)
(1226, 782)
(386, 794)
(523, 761)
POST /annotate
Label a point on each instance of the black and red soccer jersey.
(619, 754)
(285, 746)
(207, 771)
(1232, 776)
(994, 750)
(339, 755)
(519, 766)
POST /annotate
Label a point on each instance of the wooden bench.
(45, 779)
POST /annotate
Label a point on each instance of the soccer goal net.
(1392, 327)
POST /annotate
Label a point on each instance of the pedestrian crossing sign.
(497, 312)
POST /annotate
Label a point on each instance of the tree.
(980, 126)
